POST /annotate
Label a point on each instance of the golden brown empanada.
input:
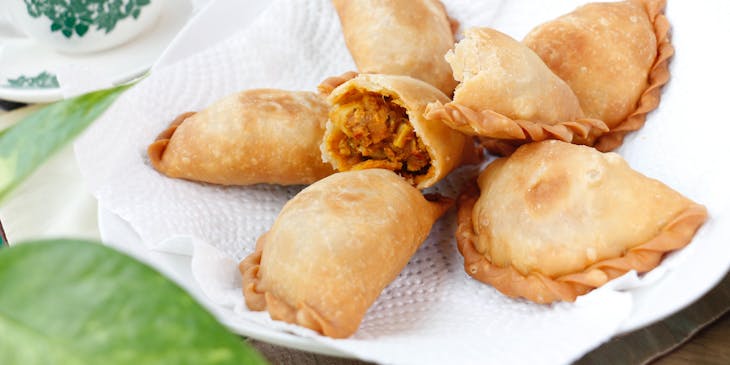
(508, 93)
(255, 136)
(399, 38)
(556, 220)
(615, 58)
(376, 121)
(335, 246)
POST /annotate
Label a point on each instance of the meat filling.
(374, 132)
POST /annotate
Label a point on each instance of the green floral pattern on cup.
(76, 16)
(44, 80)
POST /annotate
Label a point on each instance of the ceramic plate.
(671, 292)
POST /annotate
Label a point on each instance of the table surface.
(709, 346)
(699, 334)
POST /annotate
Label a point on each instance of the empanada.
(615, 58)
(399, 38)
(556, 220)
(508, 93)
(254, 136)
(335, 246)
(376, 121)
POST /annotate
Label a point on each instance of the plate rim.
(281, 338)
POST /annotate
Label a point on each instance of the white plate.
(673, 291)
(23, 57)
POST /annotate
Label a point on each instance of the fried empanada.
(508, 93)
(615, 58)
(556, 220)
(376, 121)
(251, 137)
(399, 38)
(335, 246)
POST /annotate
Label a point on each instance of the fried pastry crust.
(508, 93)
(400, 38)
(335, 246)
(254, 136)
(555, 220)
(614, 56)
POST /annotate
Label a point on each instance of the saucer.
(29, 71)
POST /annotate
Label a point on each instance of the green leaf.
(71, 302)
(143, 2)
(27, 144)
(135, 13)
(67, 32)
(81, 29)
(56, 27)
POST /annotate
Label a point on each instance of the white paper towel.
(433, 313)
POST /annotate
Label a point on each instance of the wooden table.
(710, 345)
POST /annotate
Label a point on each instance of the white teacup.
(74, 26)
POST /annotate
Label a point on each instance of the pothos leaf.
(27, 144)
(74, 302)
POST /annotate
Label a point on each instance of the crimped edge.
(658, 76)
(488, 123)
(542, 289)
(258, 300)
(158, 147)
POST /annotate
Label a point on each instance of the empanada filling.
(373, 131)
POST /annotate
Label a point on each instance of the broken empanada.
(251, 137)
(399, 38)
(376, 121)
(556, 220)
(335, 246)
(508, 93)
(615, 58)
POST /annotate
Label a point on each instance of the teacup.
(80, 26)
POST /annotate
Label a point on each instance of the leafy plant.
(74, 302)
(27, 144)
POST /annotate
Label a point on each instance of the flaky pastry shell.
(541, 228)
(615, 57)
(335, 246)
(399, 38)
(250, 137)
(508, 93)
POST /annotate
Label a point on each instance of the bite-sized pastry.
(251, 137)
(615, 58)
(376, 121)
(335, 246)
(508, 93)
(556, 220)
(399, 38)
